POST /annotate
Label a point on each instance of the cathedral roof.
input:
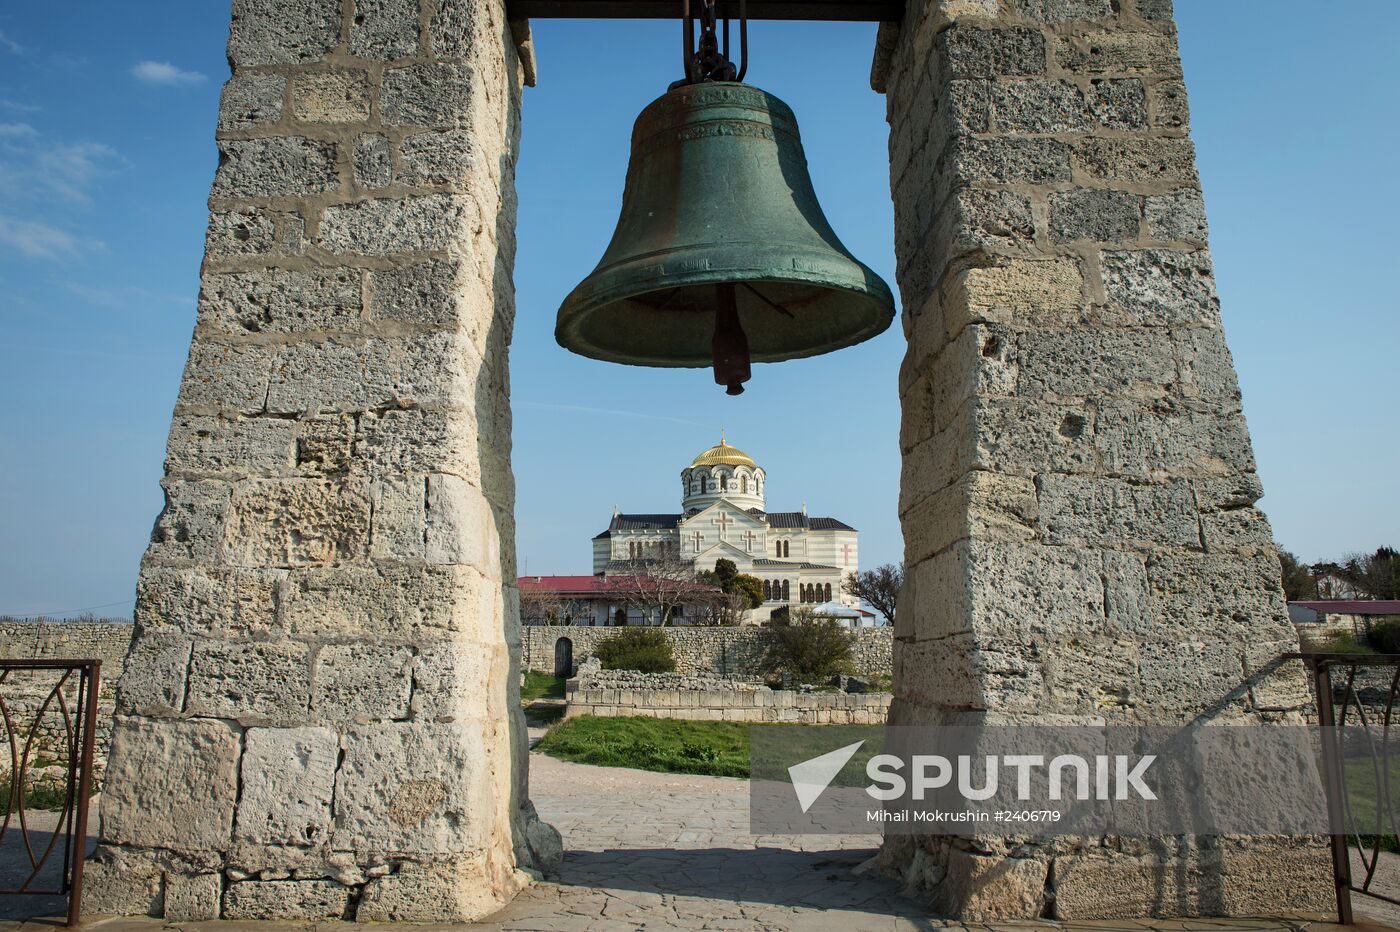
(639, 523)
(723, 454)
(799, 519)
(765, 563)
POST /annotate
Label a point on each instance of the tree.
(878, 588)
(540, 605)
(1299, 584)
(738, 592)
(658, 587)
(808, 648)
(646, 650)
(1377, 575)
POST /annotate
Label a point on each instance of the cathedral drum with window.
(801, 559)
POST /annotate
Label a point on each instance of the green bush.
(646, 650)
(811, 650)
(1384, 635)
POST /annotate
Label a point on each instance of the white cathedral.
(800, 559)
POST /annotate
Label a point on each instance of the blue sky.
(106, 154)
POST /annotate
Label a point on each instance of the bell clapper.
(730, 344)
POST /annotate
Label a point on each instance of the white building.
(801, 559)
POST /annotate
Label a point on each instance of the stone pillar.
(1078, 488)
(319, 714)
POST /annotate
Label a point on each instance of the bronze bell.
(722, 253)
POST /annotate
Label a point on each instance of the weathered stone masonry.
(317, 718)
(1078, 488)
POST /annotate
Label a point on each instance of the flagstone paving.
(661, 851)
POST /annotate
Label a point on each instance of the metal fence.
(48, 713)
(1357, 692)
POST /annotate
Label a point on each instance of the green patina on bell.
(721, 254)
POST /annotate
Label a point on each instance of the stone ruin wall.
(1078, 492)
(25, 692)
(702, 650)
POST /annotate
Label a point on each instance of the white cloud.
(10, 45)
(36, 240)
(17, 131)
(162, 72)
(19, 106)
(34, 167)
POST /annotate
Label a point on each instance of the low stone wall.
(704, 650)
(589, 678)
(755, 706)
(25, 692)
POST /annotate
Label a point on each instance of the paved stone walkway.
(662, 852)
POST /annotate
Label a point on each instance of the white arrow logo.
(811, 777)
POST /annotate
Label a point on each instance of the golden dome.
(723, 454)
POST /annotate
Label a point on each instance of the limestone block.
(190, 525)
(1178, 215)
(226, 378)
(982, 889)
(387, 600)
(421, 293)
(459, 28)
(437, 369)
(325, 444)
(1151, 53)
(209, 601)
(965, 51)
(288, 783)
(444, 158)
(965, 671)
(446, 678)
(1094, 214)
(250, 100)
(332, 376)
(211, 445)
(462, 526)
(451, 891)
(120, 882)
(1036, 293)
(1166, 438)
(1095, 511)
(372, 162)
(1064, 11)
(283, 300)
(276, 166)
(331, 97)
(284, 900)
(153, 682)
(437, 94)
(297, 522)
(410, 788)
(385, 226)
(396, 441)
(1121, 364)
(1257, 875)
(1154, 9)
(1044, 106)
(973, 363)
(981, 504)
(252, 683)
(546, 845)
(1026, 437)
(171, 784)
(400, 519)
(1147, 287)
(1103, 884)
(974, 219)
(242, 232)
(282, 32)
(1031, 590)
(1170, 161)
(1170, 107)
(1009, 160)
(384, 29)
(192, 897)
(361, 683)
(1207, 369)
(1216, 593)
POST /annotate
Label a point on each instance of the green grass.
(1363, 787)
(46, 798)
(717, 749)
(541, 686)
(543, 714)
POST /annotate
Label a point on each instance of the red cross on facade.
(845, 554)
(697, 538)
(749, 538)
(723, 521)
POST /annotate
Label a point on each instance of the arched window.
(827, 597)
(703, 485)
(777, 548)
(743, 484)
(787, 548)
(787, 593)
(767, 591)
(803, 593)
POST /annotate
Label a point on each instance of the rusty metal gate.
(53, 721)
